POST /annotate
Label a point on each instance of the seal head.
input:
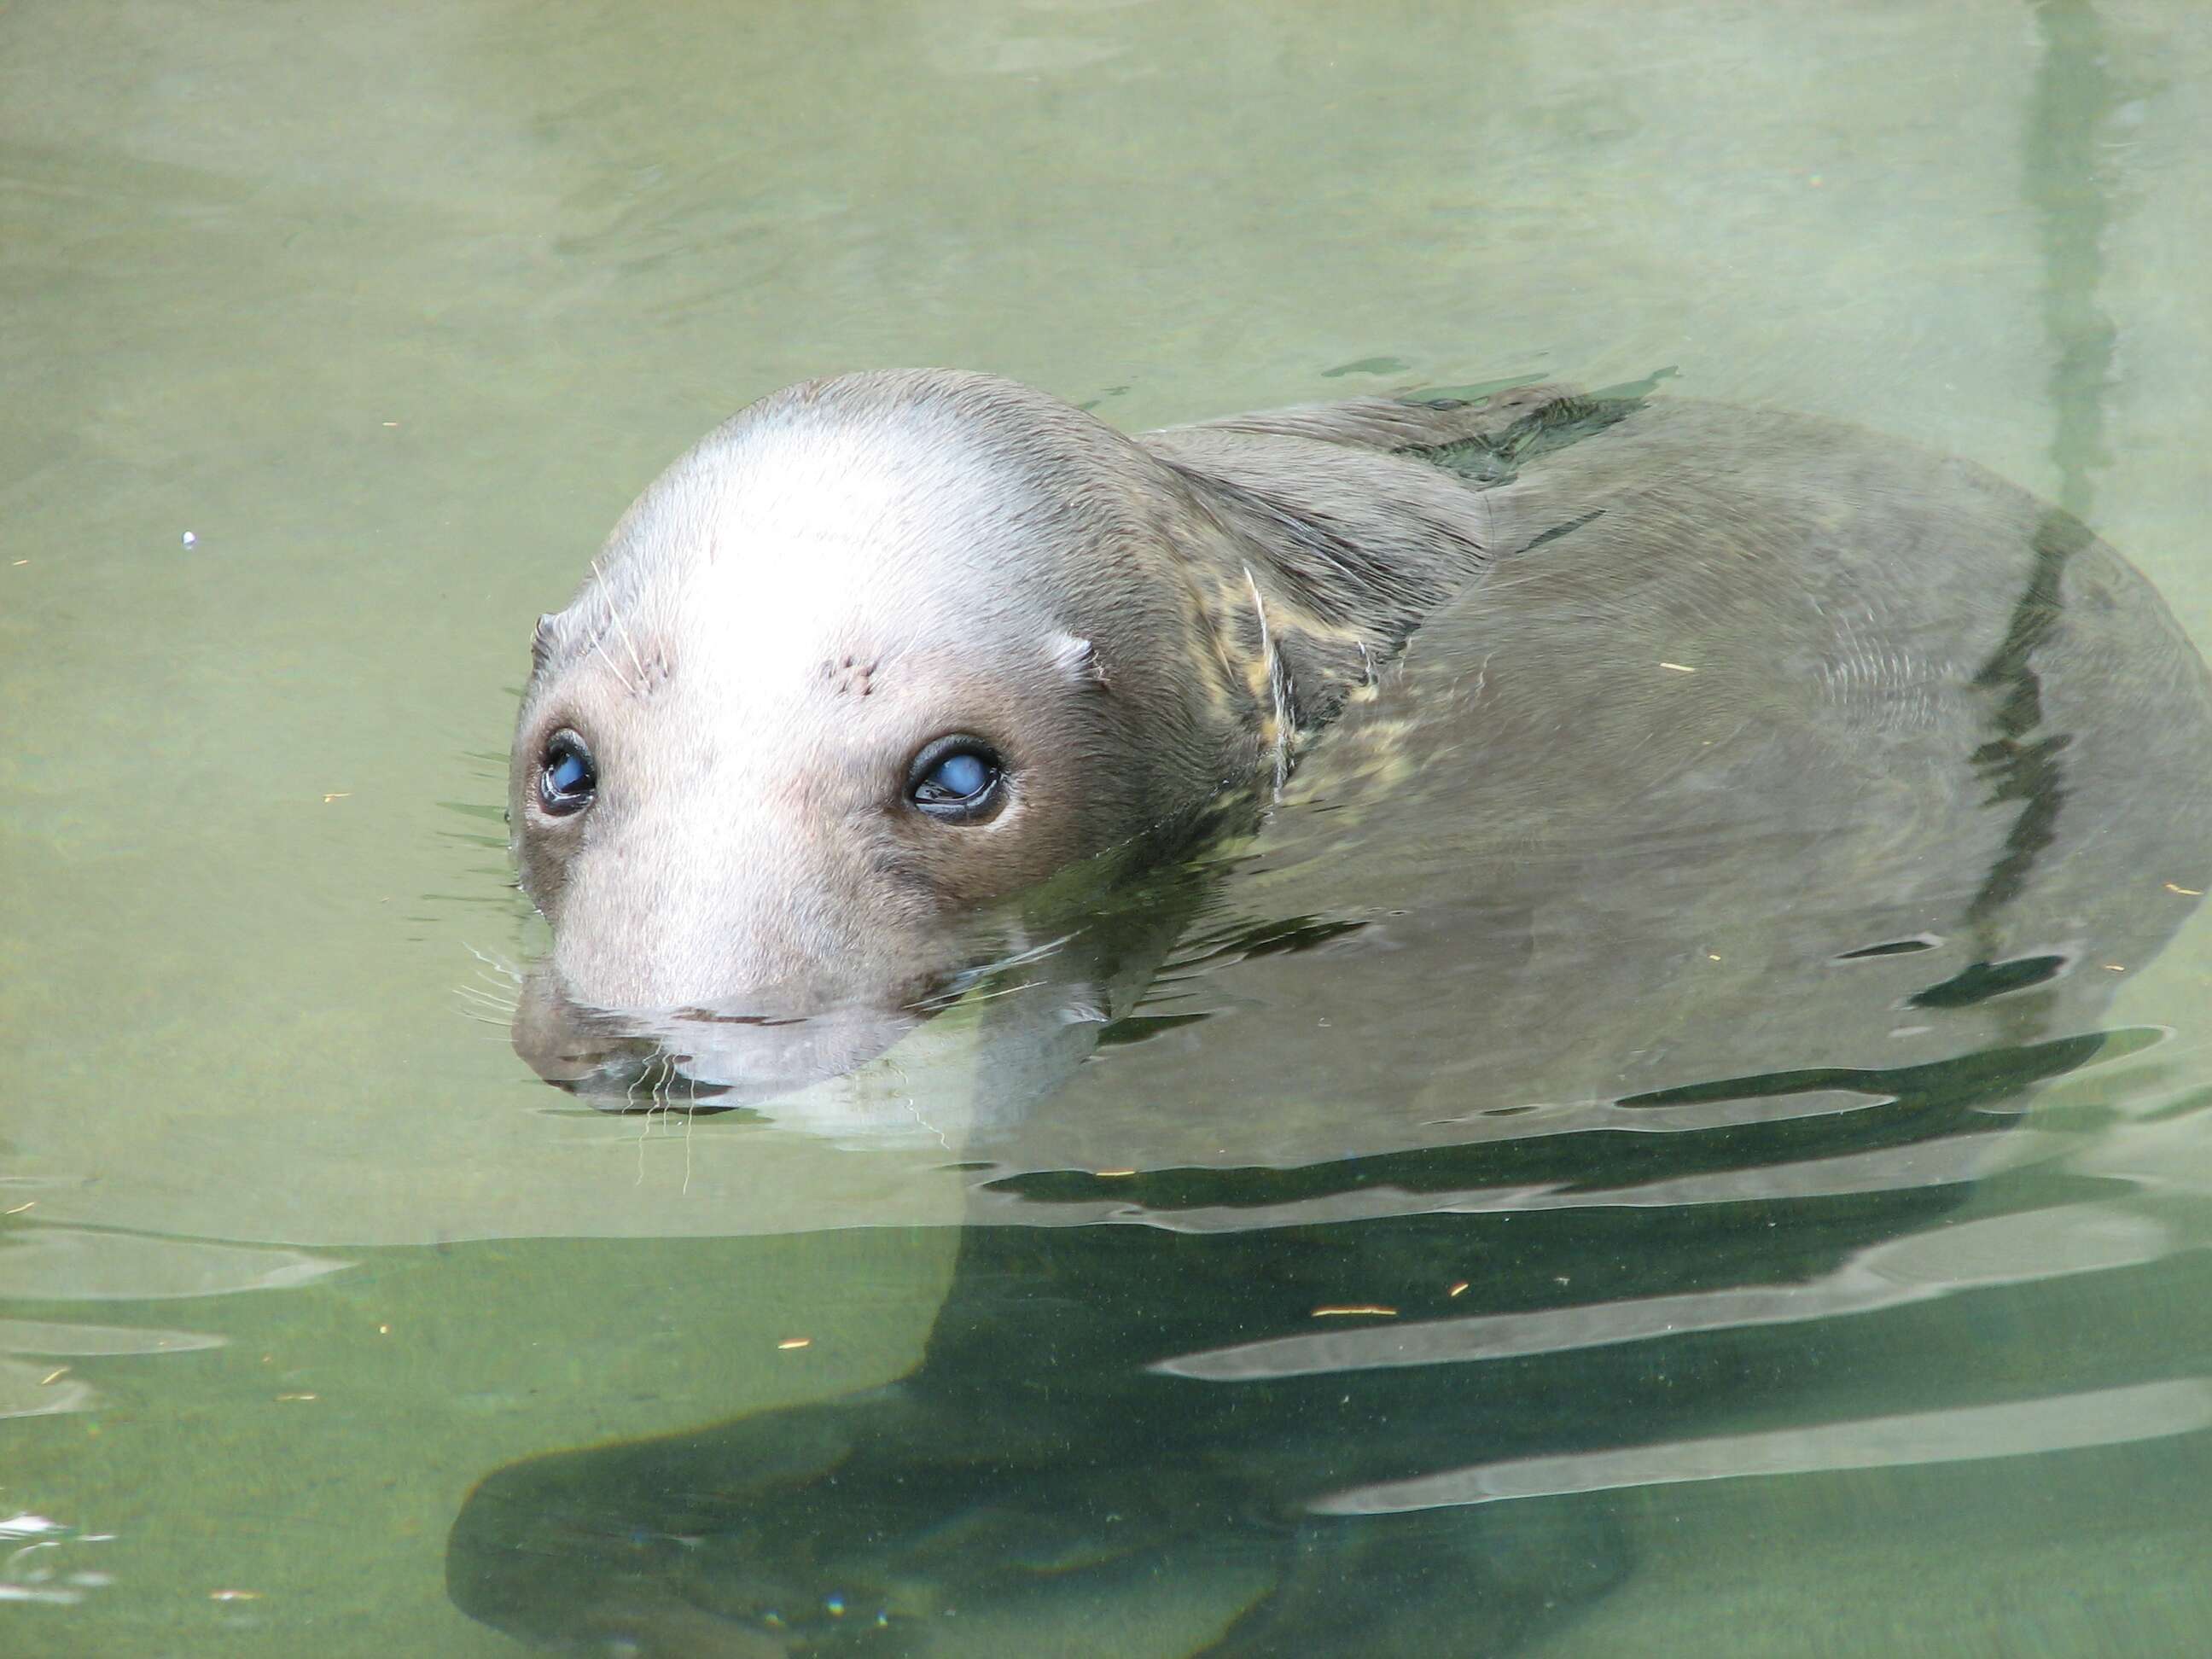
(887, 648)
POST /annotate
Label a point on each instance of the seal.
(1632, 827)
(887, 649)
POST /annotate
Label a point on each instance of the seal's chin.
(714, 1058)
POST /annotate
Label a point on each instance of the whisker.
(499, 965)
(689, 1118)
(615, 618)
(1277, 687)
(1003, 991)
(600, 645)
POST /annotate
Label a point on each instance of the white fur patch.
(1073, 658)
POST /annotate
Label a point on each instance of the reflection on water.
(41, 1567)
(65, 1264)
(2100, 1418)
(1214, 1390)
(2004, 1251)
(63, 1267)
(393, 311)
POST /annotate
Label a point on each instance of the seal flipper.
(1412, 1587)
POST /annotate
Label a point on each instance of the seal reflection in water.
(1619, 856)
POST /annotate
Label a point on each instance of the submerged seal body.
(1650, 851)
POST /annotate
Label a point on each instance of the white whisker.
(1277, 687)
(499, 965)
(614, 618)
(689, 1118)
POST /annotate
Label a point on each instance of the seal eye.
(957, 780)
(567, 778)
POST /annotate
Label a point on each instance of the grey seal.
(863, 593)
(1656, 848)
(889, 649)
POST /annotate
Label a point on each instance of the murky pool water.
(337, 340)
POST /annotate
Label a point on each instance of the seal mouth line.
(1278, 686)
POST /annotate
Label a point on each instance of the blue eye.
(958, 777)
(567, 776)
(955, 779)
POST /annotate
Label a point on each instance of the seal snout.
(694, 1058)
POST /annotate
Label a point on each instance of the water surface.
(336, 343)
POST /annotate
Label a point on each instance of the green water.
(334, 338)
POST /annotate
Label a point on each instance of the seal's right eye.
(955, 779)
(567, 778)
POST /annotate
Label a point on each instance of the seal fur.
(1147, 627)
(854, 565)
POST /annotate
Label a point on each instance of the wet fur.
(1151, 623)
(1192, 607)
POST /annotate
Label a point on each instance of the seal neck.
(1304, 610)
(1296, 669)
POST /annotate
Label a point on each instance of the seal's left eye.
(568, 777)
(955, 779)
